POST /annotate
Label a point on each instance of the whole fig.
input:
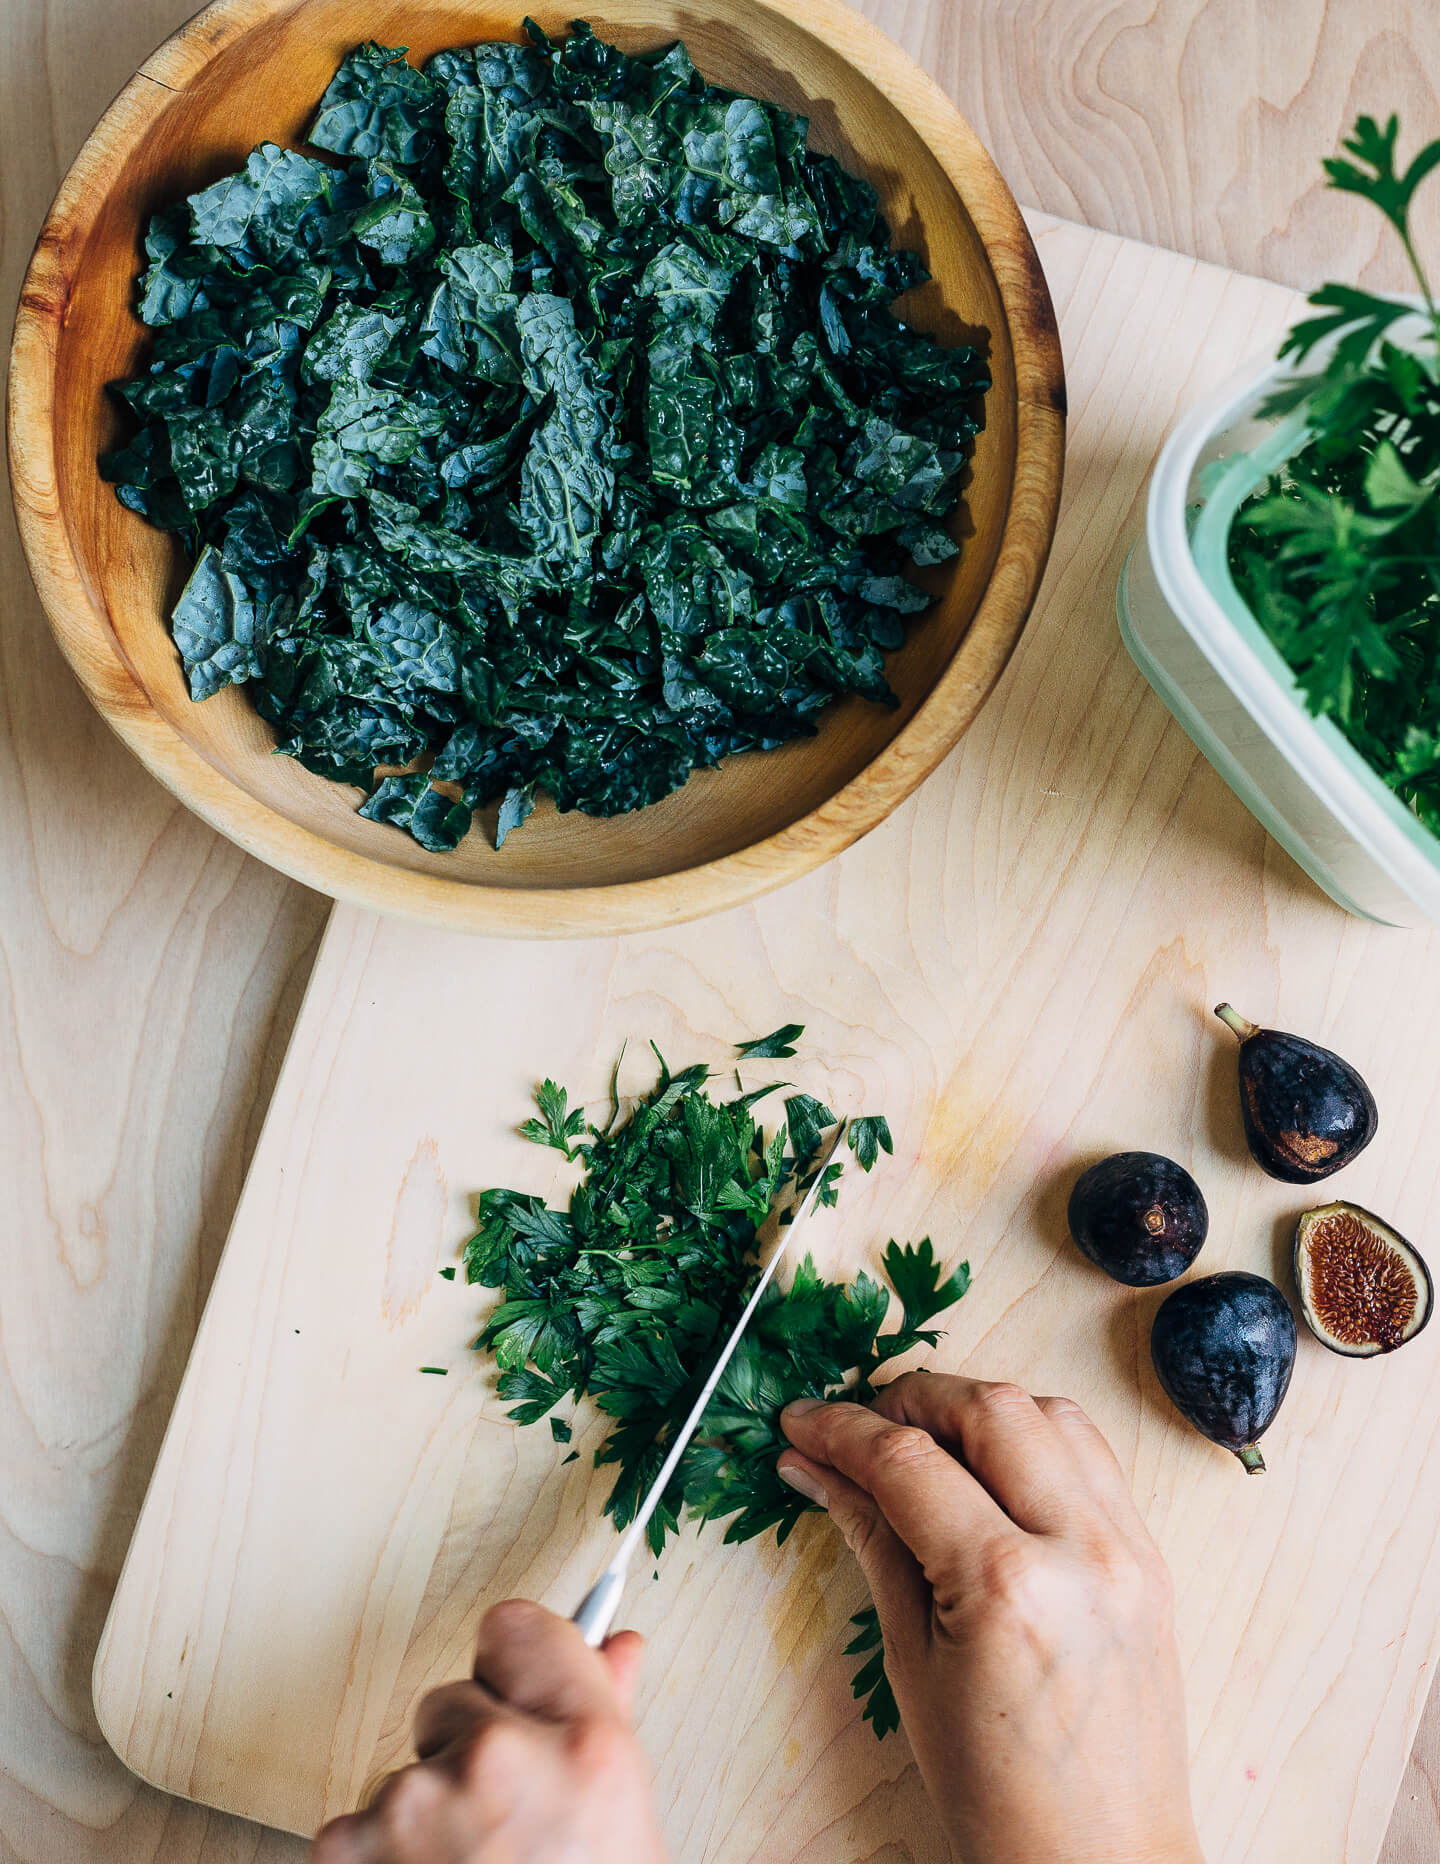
(1139, 1216)
(1307, 1112)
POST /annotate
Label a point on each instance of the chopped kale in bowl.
(563, 440)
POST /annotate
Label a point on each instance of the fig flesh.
(1139, 1216)
(1223, 1349)
(1307, 1112)
(1363, 1289)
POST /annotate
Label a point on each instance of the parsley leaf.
(558, 1123)
(626, 1296)
(1374, 149)
(806, 1119)
(922, 1285)
(779, 1045)
(868, 1137)
(870, 1681)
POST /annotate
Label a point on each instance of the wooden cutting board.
(1019, 968)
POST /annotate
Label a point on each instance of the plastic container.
(1195, 640)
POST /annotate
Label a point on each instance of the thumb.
(897, 1582)
(541, 1665)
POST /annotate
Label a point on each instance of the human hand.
(533, 1762)
(1027, 1614)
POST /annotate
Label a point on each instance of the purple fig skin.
(1306, 1111)
(1223, 1348)
(1138, 1216)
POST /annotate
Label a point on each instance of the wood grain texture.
(1019, 968)
(1200, 146)
(245, 69)
(1193, 124)
(149, 974)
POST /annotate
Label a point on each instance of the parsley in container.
(1285, 600)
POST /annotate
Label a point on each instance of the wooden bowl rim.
(83, 631)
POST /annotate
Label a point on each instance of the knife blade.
(596, 1611)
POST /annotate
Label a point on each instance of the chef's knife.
(596, 1612)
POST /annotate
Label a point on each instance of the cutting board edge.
(117, 1707)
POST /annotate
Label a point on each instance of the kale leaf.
(554, 434)
(627, 1294)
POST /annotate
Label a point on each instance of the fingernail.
(801, 1406)
(804, 1484)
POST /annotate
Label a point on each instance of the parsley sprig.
(1338, 554)
(625, 1297)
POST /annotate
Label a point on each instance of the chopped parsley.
(625, 1296)
(779, 1045)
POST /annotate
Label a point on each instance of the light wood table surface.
(151, 973)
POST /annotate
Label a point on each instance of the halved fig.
(1363, 1289)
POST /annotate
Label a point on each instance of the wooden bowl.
(245, 70)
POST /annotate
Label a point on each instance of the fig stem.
(1252, 1460)
(1232, 1019)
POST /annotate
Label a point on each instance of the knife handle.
(596, 1611)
